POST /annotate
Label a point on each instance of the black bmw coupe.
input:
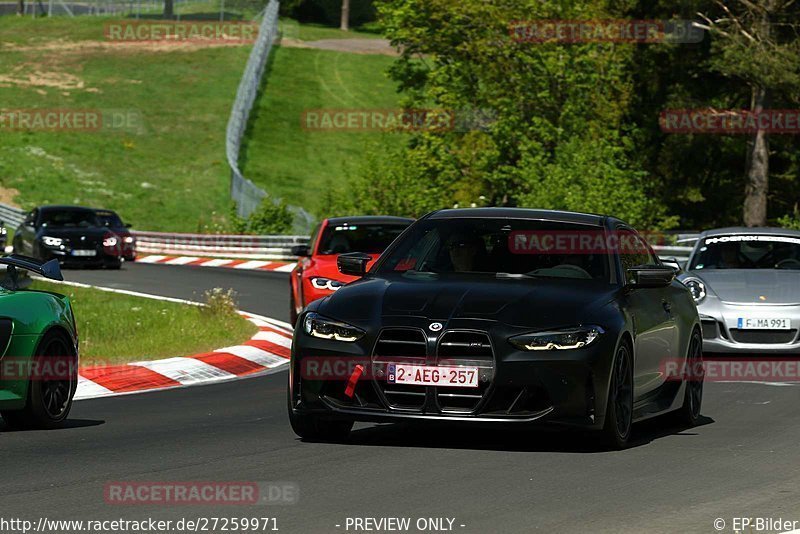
(501, 315)
(73, 235)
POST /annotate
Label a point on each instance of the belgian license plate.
(428, 375)
(84, 253)
(762, 323)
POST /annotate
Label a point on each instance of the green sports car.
(38, 349)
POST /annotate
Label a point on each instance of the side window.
(652, 257)
(634, 250)
(312, 244)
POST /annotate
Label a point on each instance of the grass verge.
(300, 165)
(292, 29)
(116, 328)
(163, 170)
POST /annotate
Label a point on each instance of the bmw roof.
(521, 213)
(370, 219)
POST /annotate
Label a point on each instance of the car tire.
(114, 265)
(49, 401)
(689, 412)
(315, 429)
(618, 424)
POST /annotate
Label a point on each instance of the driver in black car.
(466, 251)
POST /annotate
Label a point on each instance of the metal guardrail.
(11, 216)
(219, 246)
(276, 247)
(677, 252)
(244, 192)
(680, 248)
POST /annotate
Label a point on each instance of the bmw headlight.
(326, 283)
(52, 241)
(563, 339)
(697, 288)
(317, 326)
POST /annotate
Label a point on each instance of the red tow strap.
(351, 383)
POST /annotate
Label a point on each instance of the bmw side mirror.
(651, 276)
(353, 263)
(301, 250)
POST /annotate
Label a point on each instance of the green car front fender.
(33, 314)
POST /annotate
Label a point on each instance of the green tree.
(756, 43)
(559, 131)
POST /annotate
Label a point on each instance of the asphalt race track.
(743, 462)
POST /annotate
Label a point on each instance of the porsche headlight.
(326, 283)
(696, 288)
(110, 242)
(3, 230)
(129, 239)
(318, 326)
(564, 339)
(52, 241)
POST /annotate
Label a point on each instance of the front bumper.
(721, 334)
(567, 387)
(66, 257)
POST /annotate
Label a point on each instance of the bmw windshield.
(758, 251)
(490, 247)
(69, 219)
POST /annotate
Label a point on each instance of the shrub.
(270, 218)
(220, 302)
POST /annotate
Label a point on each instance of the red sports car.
(316, 274)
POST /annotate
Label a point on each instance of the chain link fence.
(244, 192)
(140, 9)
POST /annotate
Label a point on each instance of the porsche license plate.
(761, 323)
(428, 375)
(84, 253)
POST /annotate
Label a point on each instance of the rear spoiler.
(50, 269)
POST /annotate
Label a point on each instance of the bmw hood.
(758, 286)
(526, 303)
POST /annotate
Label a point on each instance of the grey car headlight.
(563, 339)
(317, 326)
(696, 287)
